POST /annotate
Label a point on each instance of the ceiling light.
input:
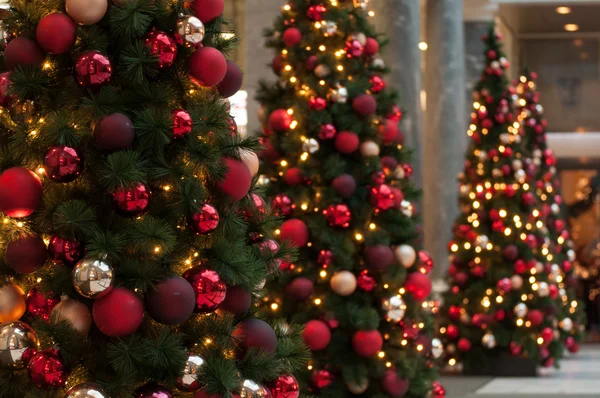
(571, 27)
(563, 10)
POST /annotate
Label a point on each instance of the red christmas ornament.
(536, 317)
(354, 48)
(378, 178)
(454, 312)
(207, 10)
(311, 63)
(520, 266)
(317, 103)
(277, 65)
(321, 378)
(255, 333)
(504, 285)
(238, 179)
(316, 335)
(6, 99)
(56, 33)
(364, 105)
(296, 231)
(292, 37)
(325, 258)
(371, 46)
(205, 221)
(285, 386)
(114, 132)
(46, 370)
(232, 82)
(65, 251)
(464, 345)
(119, 313)
(237, 301)
(315, 13)
(388, 132)
(26, 254)
(366, 282)
(382, 197)
(269, 248)
(547, 335)
(327, 132)
(515, 349)
(300, 289)
(377, 84)
(426, 262)
(395, 114)
(294, 176)
(452, 332)
(282, 204)
(437, 390)
(338, 215)
(418, 285)
(345, 185)
(346, 142)
(93, 70)
(367, 343)
(553, 291)
(20, 192)
(572, 345)
(394, 385)
(39, 304)
(280, 120)
(63, 164)
(171, 302)
(182, 123)
(22, 51)
(207, 66)
(131, 202)
(208, 287)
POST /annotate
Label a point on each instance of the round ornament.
(209, 289)
(39, 304)
(20, 192)
(516, 282)
(46, 370)
(394, 308)
(295, 231)
(119, 313)
(322, 70)
(292, 37)
(237, 301)
(389, 132)
(86, 12)
(207, 66)
(358, 388)
(566, 325)
(367, 343)
(340, 95)
(56, 33)
(162, 46)
(280, 120)
(65, 251)
(343, 283)
(419, 285)
(17, 340)
(74, 312)
(285, 386)
(382, 197)
(294, 176)
(488, 340)
(63, 163)
(114, 132)
(543, 289)
(251, 389)
(255, 333)
(232, 82)
(426, 262)
(437, 348)
(171, 302)
(310, 145)
(283, 205)
(377, 84)
(93, 69)
(190, 378)
(378, 257)
(321, 378)
(237, 180)
(22, 51)
(437, 390)
(26, 254)
(205, 221)
(369, 148)
(300, 289)
(87, 390)
(346, 142)
(250, 159)
(338, 215)
(190, 31)
(371, 46)
(131, 202)
(207, 10)
(364, 105)
(6, 99)
(329, 28)
(345, 185)
(182, 123)
(316, 335)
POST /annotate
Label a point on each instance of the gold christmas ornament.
(405, 255)
(358, 388)
(86, 12)
(22, 110)
(437, 348)
(15, 339)
(12, 303)
(566, 324)
(516, 282)
(191, 30)
(394, 308)
(251, 389)
(343, 283)
(86, 390)
(250, 159)
(93, 278)
(322, 70)
(369, 148)
(74, 312)
(189, 380)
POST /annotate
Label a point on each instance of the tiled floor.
(578, 377)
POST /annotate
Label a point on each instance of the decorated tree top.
(128, 209)
(502, 298)
(336, 168)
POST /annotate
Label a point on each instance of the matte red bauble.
(295, 231)
(344, 184)
(119, 313)
(382, 197)
(300, 289)
(22, 51)
(338, 215)
(389, 132)
(163, 46)
(536, 317)
(114, 132)
(346, 142)
(419, 285)
(207, 66)
(377, 84)
(232, 82)
(182, 123)
(26, 254)
(464, 345)
(378, 257)
(371, 46)
(393, 385)
(364, 105)
(255, 333)
(277, 65)
(283, 205)
(316, 335)
(285, 386)
(46, 370)
(171, 302)
(280, 120)
(205, 221)
(237, 180)
(93, 70)
(39, 304)
(237, 301)
(294, 176)
(131, 202)
(56, 33)
(63, 163)
(292, 37)
(20, 192)
(208, 287)
(367, 343)
(207, 10)
(65, 251)
(327, 132)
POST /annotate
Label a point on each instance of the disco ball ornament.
(488, 340)
(93, 70)
(87, 390)
(394, 308)
(17, 340)
(189, 381)
(437, 348)
(93, 278)
(190, 30)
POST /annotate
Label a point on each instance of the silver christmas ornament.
(322, 70)
(543, 289)
(329, 28)
(191, 30)
(555, 208)
(488, 340)
(251, 389)
(394, 308)
(15, 339)
(437, 348)
(358, 388)
(571, 255)
(566, 324)
(517, 164)
(378, 63)
(310, 145)
(93, 278)
(482, 240)
(361, 37)
(405, 255)
(520, 175)
(189, 381)
(539, 109)
(482, 155)
(86, 390)
(520, 310)
(340, 95)
(495, 65)
(406, 208)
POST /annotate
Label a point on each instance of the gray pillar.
(400, 20)
(445, 125)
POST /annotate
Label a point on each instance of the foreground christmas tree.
(128, 213)
(502, 300)
(561, 253)
(336, 169)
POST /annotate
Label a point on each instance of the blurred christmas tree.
(125, 258)
(336, 168)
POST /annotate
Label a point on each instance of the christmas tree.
(337, 171)
(129, 215)
(561, 253)
(502, 299)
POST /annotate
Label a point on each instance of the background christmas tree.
(125, 258)
(561, 253)
(501, 298)
(336, 169)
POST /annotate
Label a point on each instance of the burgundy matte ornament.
(93, 70)
(364, 105)
(382, 197)
(131, 202)
(347, 142)
(237, 301)
(327, 132)
(46, 370)
(20, 192)
(208, 287)
(171, 302)
(163, 46)
(294, 176)
(345, 185)
(182, 123)
(338, 215)
(5, 98)
(378, 257)
(205, 221)
(22, 51)
(63, 163)
(285, 386)
(393, 385)
(300, 289)
(151, 391)
(255, 333)
(232, 82)
(65, 251)
(26, 254)
(114, 132)
(283, 205)
(39, 304)
(207, 10)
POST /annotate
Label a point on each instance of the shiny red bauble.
(255, 333)
(419, 285)
(119, 313)
(205, 221)
(207, 10)
(93, 70)
(316, 335)
(426, 262)
(232, 82)
(547, 335)
(371, 46)
(364, 105)
(151, 391)
(56, 33)
(65, 251)
(131, 202)
(367, 343)
(346, 142)
(292, 37)
(438, 390)
(163, 46)
(338, 215)
(464, 345)
(209, 289)
(182, 123)
(26, 254)
(354, 48)
(5, 98)
(395, 114)
(295, 231)
(389, 132)
(315, 13)
(22, 51)
(46, 369)
(327, 131)
(377, 84)
(237, 180)
(63, 163)
(171, 302)
(452, 332)
(285, 386)
(114, 132)
(321, 378)
(283, 205)
(207, 66)
(366, 282)
(39, 304)
(280, 120)
(317, 103)
(20, 192)
(382, 197)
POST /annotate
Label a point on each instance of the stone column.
(445, 125)
(400, 20)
